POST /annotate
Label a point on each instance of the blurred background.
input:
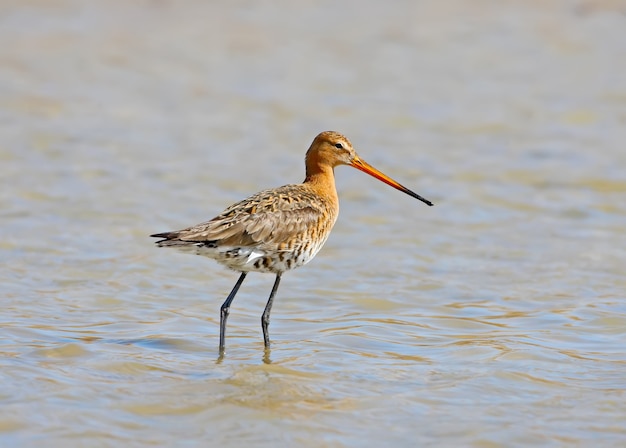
(495, 318)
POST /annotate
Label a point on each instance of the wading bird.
(279, 229)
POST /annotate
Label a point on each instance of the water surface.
(495, 318)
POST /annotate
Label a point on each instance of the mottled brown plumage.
(272, 231)
(278, 229)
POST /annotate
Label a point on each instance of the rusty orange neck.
(321, 177)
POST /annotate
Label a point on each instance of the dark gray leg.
(224, 310)
(265, 318)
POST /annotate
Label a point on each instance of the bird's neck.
(321, 177)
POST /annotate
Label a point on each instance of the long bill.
(362, 165)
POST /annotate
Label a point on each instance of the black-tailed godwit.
(279, 229)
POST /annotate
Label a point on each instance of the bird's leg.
(265, 318)
(225, 308)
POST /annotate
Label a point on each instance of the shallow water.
(495, 318)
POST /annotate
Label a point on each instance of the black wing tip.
(166, 236)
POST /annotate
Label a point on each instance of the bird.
(279, 229)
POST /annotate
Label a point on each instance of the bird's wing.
(267, 218)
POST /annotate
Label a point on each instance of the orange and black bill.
(360, 164)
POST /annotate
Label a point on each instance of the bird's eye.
(338, 145)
